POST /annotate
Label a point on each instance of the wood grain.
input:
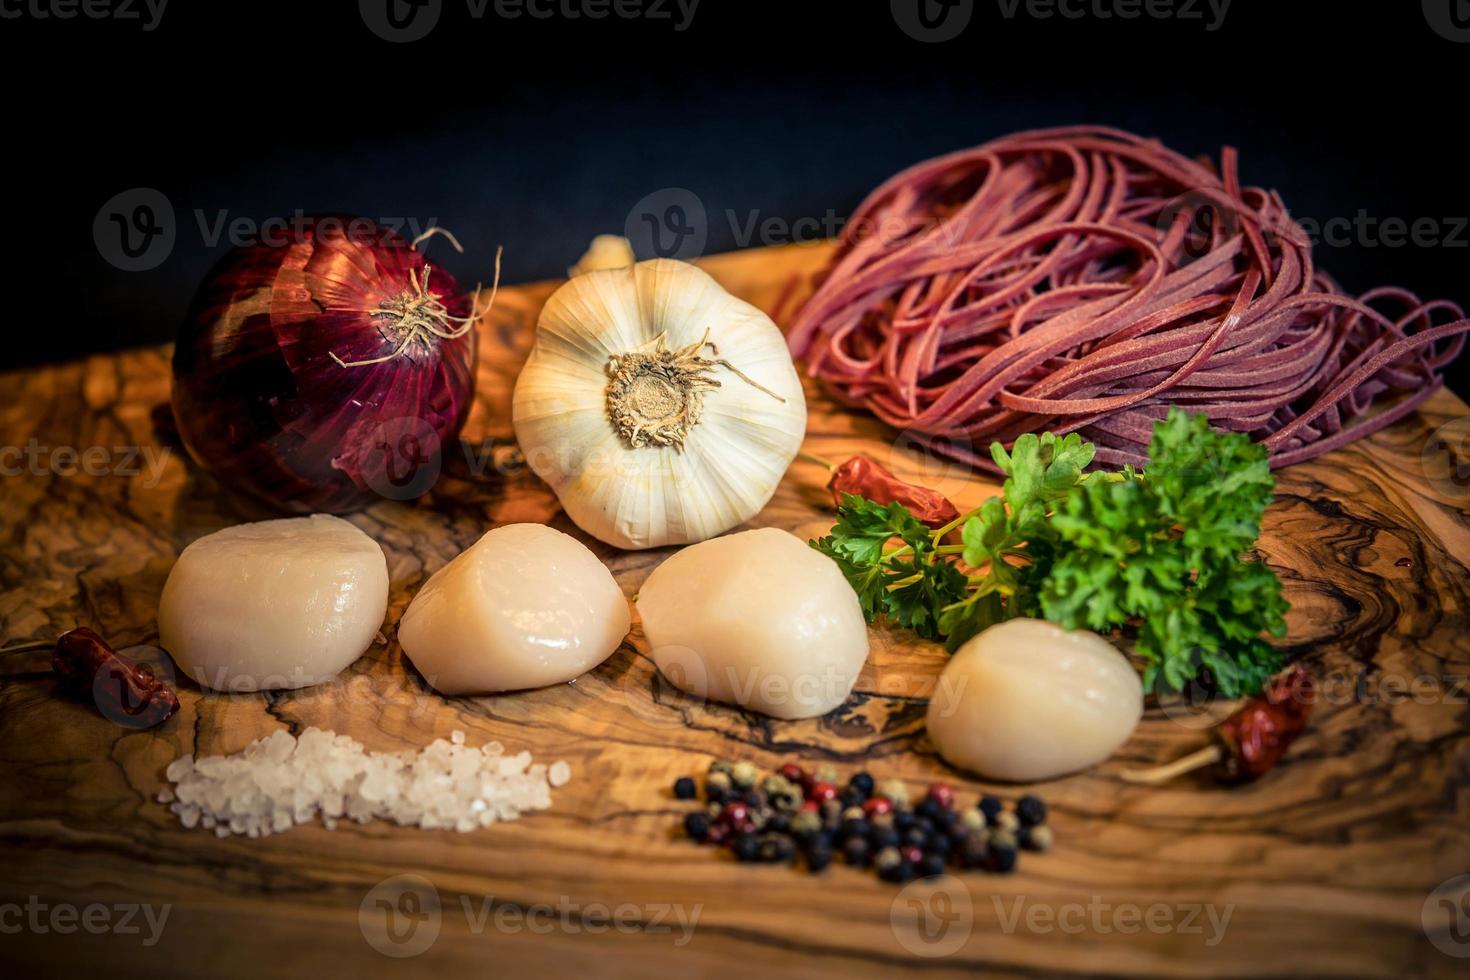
(1323, 867)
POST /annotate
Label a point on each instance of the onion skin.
(260, 401)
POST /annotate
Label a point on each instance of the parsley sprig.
(1161, 555)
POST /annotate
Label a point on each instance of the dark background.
(537, 133)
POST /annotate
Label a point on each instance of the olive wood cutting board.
(1324, 867)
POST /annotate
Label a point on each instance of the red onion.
(1085, 279)
(325, 371)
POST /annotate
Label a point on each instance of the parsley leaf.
(1161, 555)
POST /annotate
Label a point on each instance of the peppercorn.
(714, 809)
(831, 812)
(754, 799)
(927, 808)
(856, 851)
(855, 828)
(898, 873)
(942, 794)
(850, 797)
(882, 821)
(762, 816)
(974, 852)
(912, 853)
(718, 767)
(896, 791)
(696, 825)
(776, 848)
(886, 858)
(717, 786)
(914, 837)
(818, 856)
(794, 774)
(822, 791)
(938, 844)
(1004, 838)
(779, 823)
(990, 806)
(1031, 810)
(826, 773)
(972, 820)
(1005, 820)
(881, 837)
(744, 775)
(745, 847)
(931, 866)
(1036, 838)
(1002, 858)
(718, 832)
(863, 783)
(806, 823)
(782, 793)
(877, 804)
(903, 819)
(736, 816)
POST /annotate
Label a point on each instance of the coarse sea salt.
(280, 781)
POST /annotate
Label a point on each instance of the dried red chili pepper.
(125, 692)
(1252, 740)
(865, 477)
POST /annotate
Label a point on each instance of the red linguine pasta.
(1085, 279)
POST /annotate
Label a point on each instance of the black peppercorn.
(818, 856)
(938, 844)
(991, 807)
(745, 847)
(927, 808)
(900, 872)
(856, 828)
(696, 825)
(1002, 858)
(1031, 810)
(932, 866)
(856, 851)
(776, 848)
(881, 837)
(914, 836)
(684, 788)
(862, 783)
(779, 823)
(903, 820)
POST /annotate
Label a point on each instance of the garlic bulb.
(661, 409)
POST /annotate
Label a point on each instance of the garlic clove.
(605, 252)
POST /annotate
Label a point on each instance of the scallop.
(274, 604)
(525, 606)
(1026, 700)
(758, 619)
